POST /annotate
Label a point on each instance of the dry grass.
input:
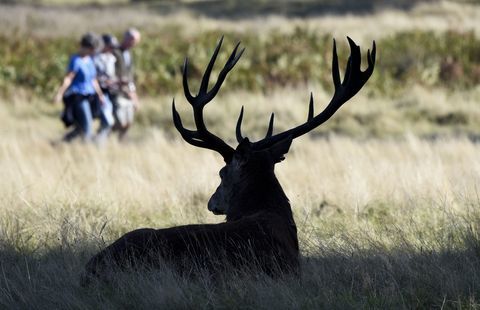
(383, 223)
(62, 21)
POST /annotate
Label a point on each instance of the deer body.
(259, 231)
(262, 241)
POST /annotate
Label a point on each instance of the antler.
(353, 81)
(202, 137)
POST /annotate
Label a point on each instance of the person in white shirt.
(125, 102)
(107, 78)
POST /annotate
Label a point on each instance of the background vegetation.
(450, 59)
(385, 195)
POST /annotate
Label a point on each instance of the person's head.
(110, 42)
(89, 43)
(131, 37)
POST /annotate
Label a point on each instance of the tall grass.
(382, 222)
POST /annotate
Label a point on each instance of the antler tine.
(204, 96)
(310, 108)
(335, 70)
(186, 89)
(232, 60)
(354, 79)
(208, 71)
(353, 64)
(270, 126)
(371, 59)
(189, 135)
(238, 129)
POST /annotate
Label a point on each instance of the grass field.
(385, 196)
(389, 222)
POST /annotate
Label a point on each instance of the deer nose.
(213, 208)
(210, 205)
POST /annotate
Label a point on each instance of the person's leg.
(122, 132)
(72, 134)
(106, 120)
(83, 116)
(106, 113)
(115, 108)
(71, 109)
(127, 114)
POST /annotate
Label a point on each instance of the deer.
(259, 231)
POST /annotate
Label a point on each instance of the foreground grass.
(383, 223)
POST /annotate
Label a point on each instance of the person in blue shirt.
(78, 90)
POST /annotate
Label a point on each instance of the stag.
(259, 230)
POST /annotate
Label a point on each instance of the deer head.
(248, 183)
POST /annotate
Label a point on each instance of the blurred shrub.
(450, 60)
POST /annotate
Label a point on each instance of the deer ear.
(279, 149)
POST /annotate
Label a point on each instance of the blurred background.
(385, 194)
(424, 47)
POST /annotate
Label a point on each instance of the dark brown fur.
(262, 240)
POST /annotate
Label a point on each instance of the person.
(105, 66)
(78, 89)
(125, 101)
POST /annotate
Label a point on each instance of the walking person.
(107, 79)
(125, 102)
(78, 89)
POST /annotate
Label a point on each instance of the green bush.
(450, 60)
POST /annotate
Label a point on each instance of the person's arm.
(67, 80)
(98, 90)
(134, 98)
(132, 94)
